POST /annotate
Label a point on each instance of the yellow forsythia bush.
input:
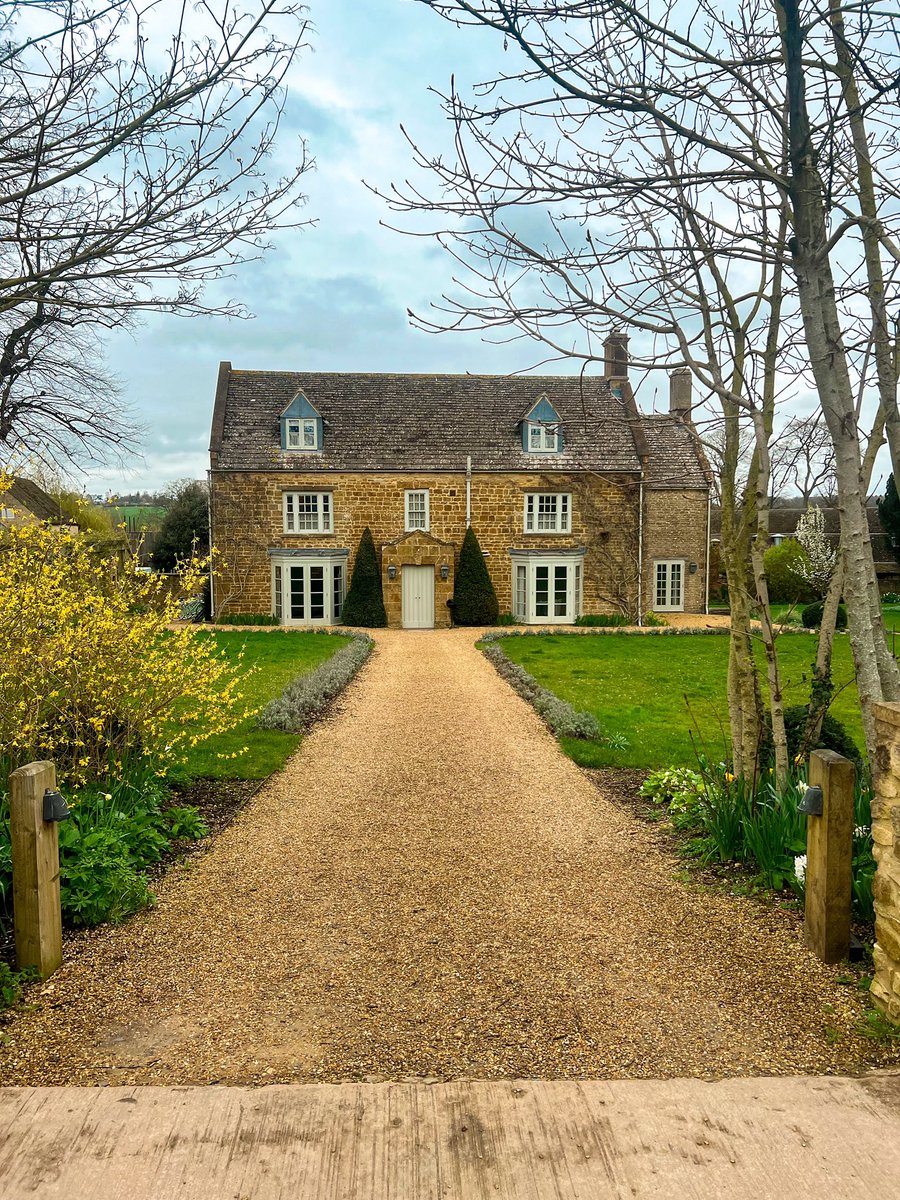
(91, 675)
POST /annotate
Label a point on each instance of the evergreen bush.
(364, 603)
(812, 616)
(889, 516)
(474, 598)
(785, 585)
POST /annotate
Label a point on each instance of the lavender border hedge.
(305, 697)
(560, 717)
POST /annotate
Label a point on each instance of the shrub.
(561, 717)
(603, 620)
(364, 603)
(832, 736)
(785, 585)
(112, 837)
(811, 616)
(474, 598)
(507, 619)
(184, 532)
(654, 620)
(890, 597)
(305, 697)
(91, 674)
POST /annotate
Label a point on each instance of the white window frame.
(562, 515)
(547, 439)
(667, 565)
(410, 528)
(574, 564)
(290, 513)
(306, 432)
(332, 599)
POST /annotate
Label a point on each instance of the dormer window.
(542, 439)
(302, 434)
(301, 426)
(541, 429)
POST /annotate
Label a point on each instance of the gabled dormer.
(301, 426)
(542, 429)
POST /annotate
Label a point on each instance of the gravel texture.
(431, 890)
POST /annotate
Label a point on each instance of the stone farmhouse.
(581, 503)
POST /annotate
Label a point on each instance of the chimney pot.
(680, 387)
(615, 355)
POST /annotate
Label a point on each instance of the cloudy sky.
(333, 296)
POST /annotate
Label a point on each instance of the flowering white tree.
(821, 556)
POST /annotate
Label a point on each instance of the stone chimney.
(680, 384)
(615, 355)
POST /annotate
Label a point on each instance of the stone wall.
(675, 527)
(247, 521)
(886, 835)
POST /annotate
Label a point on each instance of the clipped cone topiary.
(474, 598)
(364, 603)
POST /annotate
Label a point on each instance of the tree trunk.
(876, 671)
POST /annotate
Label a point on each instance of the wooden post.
(37, 915)
(829, 857)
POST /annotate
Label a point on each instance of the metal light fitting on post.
(812, 802)
(55, 807)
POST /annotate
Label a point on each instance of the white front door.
(418, 597)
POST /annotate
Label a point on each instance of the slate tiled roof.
(676, 460)
(392, 422)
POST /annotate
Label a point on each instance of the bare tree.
(803, 459)
(135, 167)
(788, 107)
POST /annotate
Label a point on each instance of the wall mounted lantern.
(445, 571)
(55, 807)
(812, 802)
(692, 569)
(392, 572)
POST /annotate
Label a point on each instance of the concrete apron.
(749, 1138)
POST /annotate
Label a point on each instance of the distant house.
(25, 503)
(784, 518)
(581, 503)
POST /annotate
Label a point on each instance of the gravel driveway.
(430, 889)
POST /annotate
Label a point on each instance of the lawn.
(657, 691)
(278, 657)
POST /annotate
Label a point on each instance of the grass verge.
(658, 691)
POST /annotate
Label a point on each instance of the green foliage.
(889, 516)
(832, 736)
(364, 603)
(731, 819)
(474, 598)
(890, 598)
(603, 620)
(785, 585)
(248, 619)
(507, 618)
(654, 621)
(184, 533)
(811, 616)
(107, 845)
(12, 982)
(97, 525)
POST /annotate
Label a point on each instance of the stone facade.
(675, 527)
(885, 989)
(247, 523)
